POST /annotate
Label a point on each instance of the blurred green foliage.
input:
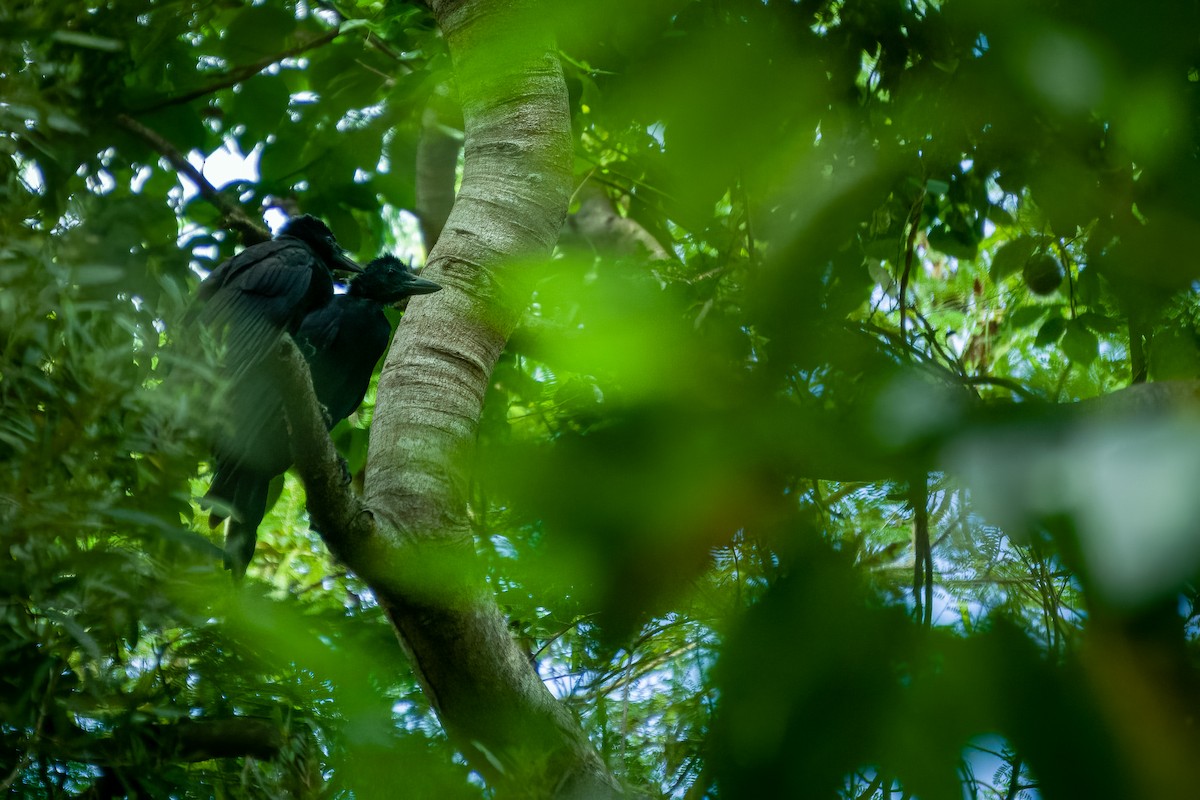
(697, 476)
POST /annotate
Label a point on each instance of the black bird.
(246, 304)
(268, 289)
(342, 342)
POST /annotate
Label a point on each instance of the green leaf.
(999, 216)
(396, 187)
(361, 196)
(882, 249)
(1101, 323)
(260, 105)
(347, 76)
(1011, 257)
(160, 183)
(1025, 316)
(936, 187)
(88, 41)
(85, 639)
(180, 125)
(59, 121)
(953, 242)
(412, 89)
(258, 31)
(1050, 332)
(1080, 344)
(282, 159)
(96, 274)
(202, 212)
(340, 220)
(882, 277)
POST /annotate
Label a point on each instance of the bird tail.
(240, 495)
(240, 539)
(221, 493)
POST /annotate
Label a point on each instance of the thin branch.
(340, 574)
(236, 76)
(872, 787)
(556, 636)
(635, 670)
(21, 764)
(191, 740)
(625, 710)
(925, 360)
(28, 756)
(914, 221)
(1014, 786)
(1004, 383)
(684, 772)
(234, 215)
(374, 41)
(948, 358)
(923, 560)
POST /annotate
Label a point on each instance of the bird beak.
(345, 263)
(421, 286)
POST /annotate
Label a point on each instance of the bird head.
(316, 234)
(388, 280)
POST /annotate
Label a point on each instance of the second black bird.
(342, 341)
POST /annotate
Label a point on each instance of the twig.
(22, 763)
(1005, 383)
(914, 221)
(931, 334)
(894, 340)
(1014, 785)
(633, 671)
(555, 637)
(872, 787)
(240, 74)
(339, 574)
(625, 710)
(684, 771)
(374, 41)
(234, 215)
(923, 560)
(28, 755)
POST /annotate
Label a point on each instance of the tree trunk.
(409, 538)
(437, 165)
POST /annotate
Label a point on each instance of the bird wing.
(342, 342)
(318, 330)
(257, 295)
(250, 301)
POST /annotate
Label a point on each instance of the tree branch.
(239, 74)
(506, 218)
(186, 740)
(406, 577)
(374, 41)
(205, 739)
(437, 162)
(607, 232)
(343, 521)
(234, 216)
(1014, 785)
